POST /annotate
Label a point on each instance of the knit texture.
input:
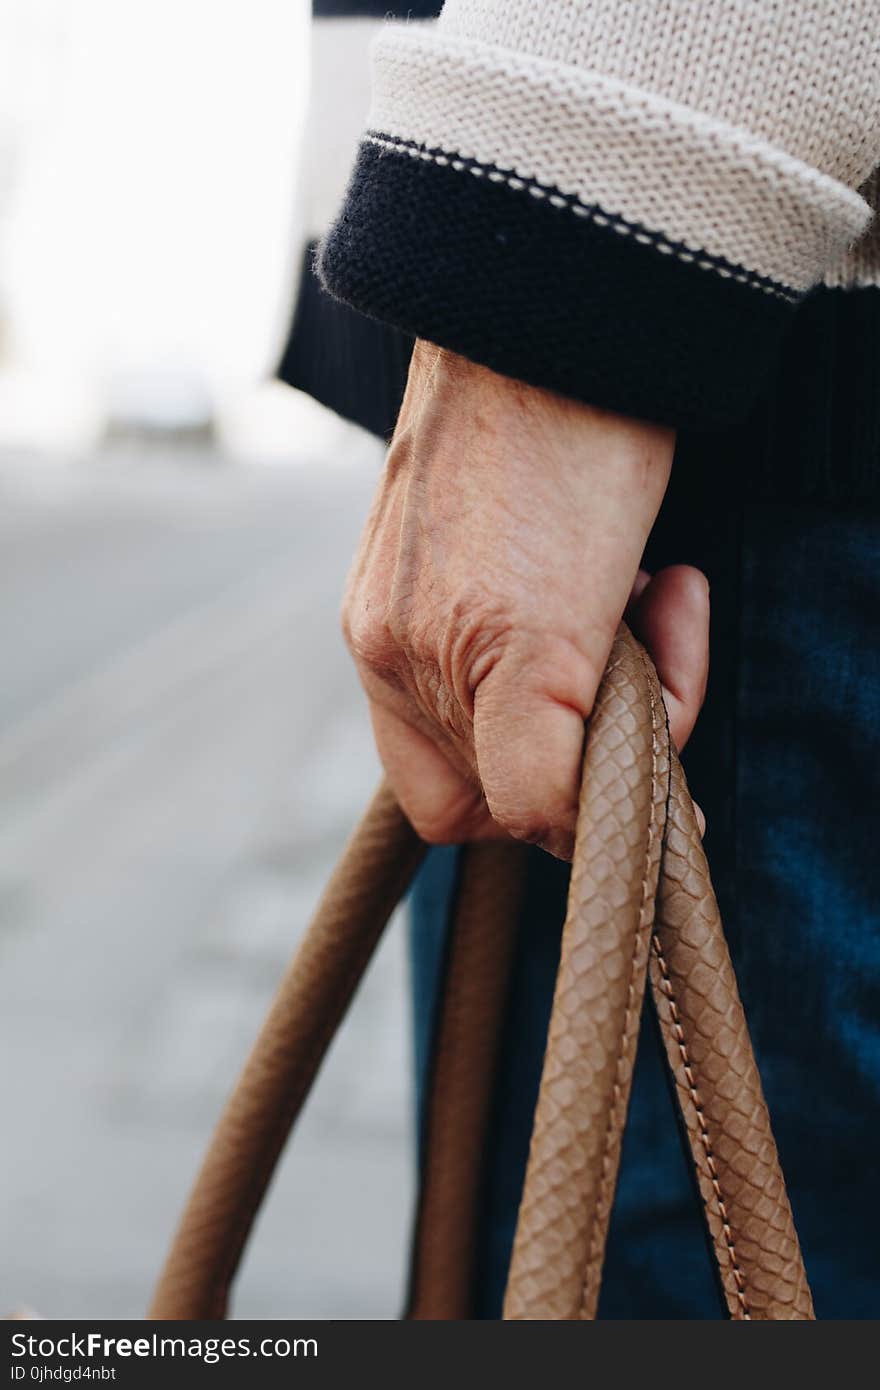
(605, 313)
(621, 201)
(700, 179)
(859, 266)
(350, 363)
(801, 76)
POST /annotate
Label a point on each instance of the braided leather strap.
(591, 1045)
(563, 1220)
(718, 1086)
(371, 877)
(490, 883)
(641, 902)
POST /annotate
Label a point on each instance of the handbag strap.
(559, 1246)
(577, 1135)
(489, 888)
(575, 1149)
(718, 1086)
(640, 892)
(371, 877)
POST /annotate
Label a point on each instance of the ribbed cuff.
(569, 227)
(540, 286)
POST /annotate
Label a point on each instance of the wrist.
(501, 414)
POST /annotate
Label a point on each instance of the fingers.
(670, 617)
(524, 748)
(528, 728)
(669, 613)
(529, 716)
(529, 739)
(441, 803)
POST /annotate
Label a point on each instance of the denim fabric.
(786, 763)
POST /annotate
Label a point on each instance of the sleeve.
(621, 200)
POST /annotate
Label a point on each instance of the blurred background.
(183, 747)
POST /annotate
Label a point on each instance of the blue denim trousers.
(786, 764)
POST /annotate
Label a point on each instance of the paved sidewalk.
(182, 752)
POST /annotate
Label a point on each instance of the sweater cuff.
(575, 232)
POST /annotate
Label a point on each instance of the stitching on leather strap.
(610, 1129)
(678, 1032)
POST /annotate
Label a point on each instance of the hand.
(499, 556)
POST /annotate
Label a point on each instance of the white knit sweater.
(738, 127)
(679, 172)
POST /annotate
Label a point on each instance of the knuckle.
(410, 630)
(570, 673)
(367, 636)
(478, 633)
(449, 645)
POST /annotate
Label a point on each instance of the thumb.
(670, 617)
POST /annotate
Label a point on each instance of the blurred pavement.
(183, 750)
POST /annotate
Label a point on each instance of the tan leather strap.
(624, 861)
(372, 875)
(566, 1202)
(718, 1086)
(479, 953)
(575, 1150)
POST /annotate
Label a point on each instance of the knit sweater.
(623, 200)
(663, 207)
